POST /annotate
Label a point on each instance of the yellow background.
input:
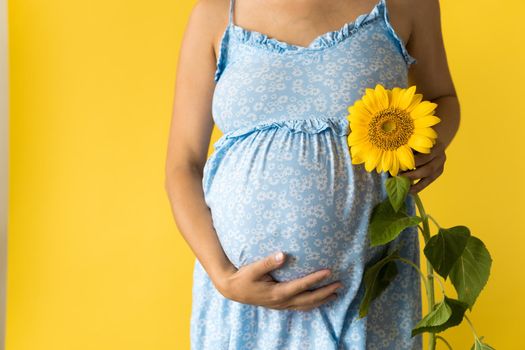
(95, 260)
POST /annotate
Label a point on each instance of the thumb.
(267, 264)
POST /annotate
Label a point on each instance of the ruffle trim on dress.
(340, 127)
(255, 38)
(221, 60)
(323, 41)
(399, 42)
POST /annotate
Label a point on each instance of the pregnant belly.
(296, 192)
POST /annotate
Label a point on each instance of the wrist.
(220, 277)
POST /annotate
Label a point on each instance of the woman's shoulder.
(410, 16)
(208, 20)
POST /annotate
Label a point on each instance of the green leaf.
(480, 345)
(433, 319)
(458, 310)
(386, 224)
(447, 314)
(445, 248)
(397, 188)
(471, 271)
(377, 278)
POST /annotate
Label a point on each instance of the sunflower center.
(390, 128)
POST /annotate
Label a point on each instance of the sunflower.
(387, 124)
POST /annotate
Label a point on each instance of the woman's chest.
(259, 85)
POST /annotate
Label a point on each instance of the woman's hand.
(429, 166)
(251, 284)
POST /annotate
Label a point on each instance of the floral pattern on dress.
(281, 178)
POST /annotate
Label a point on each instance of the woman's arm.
(189, 137)
(432, 78)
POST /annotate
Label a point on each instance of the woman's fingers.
(424, 182)
(311, 299)
(250, 285)
(267, 278)
(429, 165)
(308, 307)
(261, 267)
(297, 293)
(291, 288)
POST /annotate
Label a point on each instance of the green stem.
(444, 341)
(471, 326)
(434, 220)
(430, 272)
(423, 215)
(441, 285)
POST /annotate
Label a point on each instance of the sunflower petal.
(357, 159)
(423, 109)
(370, 101)
(425, 150)
(358, 129)
(357, 150)
(395, 164)
(406, 97)
(359, 119)
(355, 119)
(418, 140)
(406, 157)
(364, 146)
(378, 167)
(381, 96)
(358, 125)
(356, 137)
(396, 94)
(428, 120)
(428, 132)
(415, 101)
(386, 160)
(359, 108)
(360, 149)
(373, 158)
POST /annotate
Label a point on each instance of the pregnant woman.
(277, 79)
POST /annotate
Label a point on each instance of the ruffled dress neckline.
(332, 39)
(323, 41)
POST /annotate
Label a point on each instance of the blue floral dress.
(281, 178)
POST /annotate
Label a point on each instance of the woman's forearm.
(193, 218)
(448, 111)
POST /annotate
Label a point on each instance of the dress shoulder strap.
(230, 18)
(222, 60)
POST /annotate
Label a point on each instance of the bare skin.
(417, 22)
